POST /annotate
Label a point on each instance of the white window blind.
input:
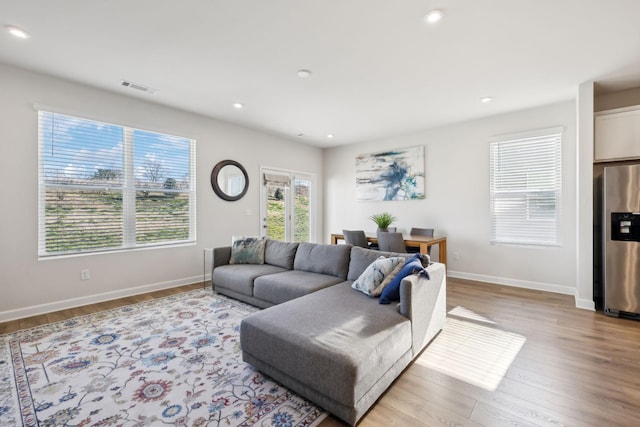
(274, 178)
(107, 187)
(525, 189)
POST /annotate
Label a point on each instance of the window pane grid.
(301, 189)
(80, 220)
(105, 187)
(160, 161)
(525, 184)
(158, 218)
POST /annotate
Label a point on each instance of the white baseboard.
(35, 310)
(585, 304)
(526, 284)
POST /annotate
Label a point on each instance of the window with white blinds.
(525, 188)
(107, 187)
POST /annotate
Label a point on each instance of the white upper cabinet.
(617, 134)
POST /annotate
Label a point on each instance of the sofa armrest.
(424, 302)
(220, 256)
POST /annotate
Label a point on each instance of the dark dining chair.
(420, 232)
(389, 230)
(355, 238)
(391, 242)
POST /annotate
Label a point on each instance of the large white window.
(525, 188)
(108, 187)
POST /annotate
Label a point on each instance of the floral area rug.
(171, 361)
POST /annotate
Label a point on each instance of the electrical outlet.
(84, 274)
(456, 255)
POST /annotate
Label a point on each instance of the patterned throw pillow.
(247, 250)
(372, 278)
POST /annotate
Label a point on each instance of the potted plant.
(383, 220)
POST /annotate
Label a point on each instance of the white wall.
(457, 198)
(584, 197)
(29, 286)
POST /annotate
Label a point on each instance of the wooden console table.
(414, 241)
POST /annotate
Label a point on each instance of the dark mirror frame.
(214, 180)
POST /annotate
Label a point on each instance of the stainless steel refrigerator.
(621, 240)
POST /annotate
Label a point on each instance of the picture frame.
(397, 174)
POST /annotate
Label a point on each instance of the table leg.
(442, 247)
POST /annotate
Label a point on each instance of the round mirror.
(229, 180)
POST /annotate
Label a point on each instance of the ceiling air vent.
(139, 87)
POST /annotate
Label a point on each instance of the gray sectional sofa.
(321, 338)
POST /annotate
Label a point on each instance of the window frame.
(531, 196)
(127, 187)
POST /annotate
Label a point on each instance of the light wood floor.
(576, 368)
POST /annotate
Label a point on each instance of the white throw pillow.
(372, 280)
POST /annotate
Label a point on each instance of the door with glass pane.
(287, 205)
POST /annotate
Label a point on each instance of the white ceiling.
(378, 69)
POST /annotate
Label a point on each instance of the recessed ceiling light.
(238, 105)
(486, 99)
(433, 16)
(17, 32)
(304, 73)
(330, 136)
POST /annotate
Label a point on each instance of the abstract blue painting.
(390, 175)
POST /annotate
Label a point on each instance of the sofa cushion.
(280, 253)
(240, 277)
(287, 285)
(342, 343)
(392, 291)
(361, 258)
(323, 259)
(372, 281)
(247, 250)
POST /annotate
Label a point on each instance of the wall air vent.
(137, 86)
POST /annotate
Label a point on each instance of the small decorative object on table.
(383, 220)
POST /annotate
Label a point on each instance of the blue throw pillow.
(415, 256)
(392, 291)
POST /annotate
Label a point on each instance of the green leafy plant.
(383, 220)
